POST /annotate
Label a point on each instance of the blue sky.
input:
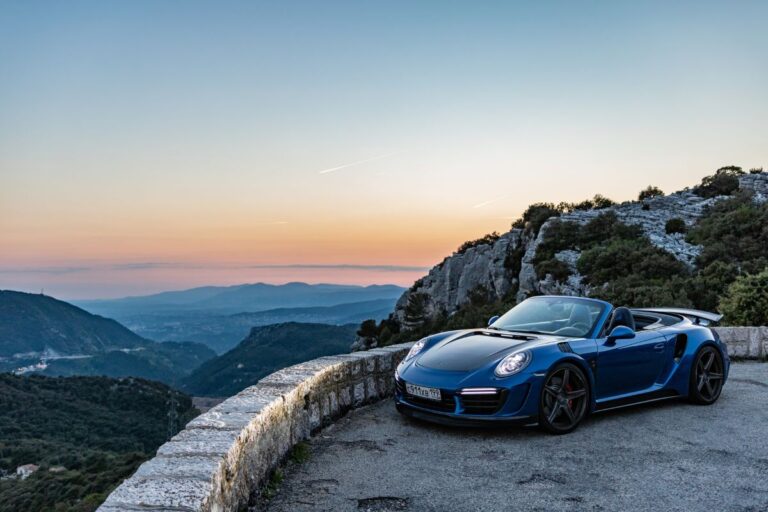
(197, 132)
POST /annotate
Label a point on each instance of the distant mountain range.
(265, 350)
(223, 332)
(222, 316)
(244, 298)
(42, 334)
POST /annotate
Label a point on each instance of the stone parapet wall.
(745, 342)
(222, 456)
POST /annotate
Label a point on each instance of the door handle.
(659, 347)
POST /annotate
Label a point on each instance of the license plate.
(421, 391)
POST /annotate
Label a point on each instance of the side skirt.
(654, 396)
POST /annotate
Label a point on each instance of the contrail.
(486, 203)
(334, 169)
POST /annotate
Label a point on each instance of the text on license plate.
(421, 391)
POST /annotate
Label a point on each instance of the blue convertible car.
(552, 360)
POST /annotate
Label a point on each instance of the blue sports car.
(552, 360)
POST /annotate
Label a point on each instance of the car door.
(629, 365)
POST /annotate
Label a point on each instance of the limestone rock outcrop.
(506, 265)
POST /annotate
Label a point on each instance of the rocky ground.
(668, 456)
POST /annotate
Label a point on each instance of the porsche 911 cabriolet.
(553, 360)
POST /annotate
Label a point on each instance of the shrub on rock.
(675, 225)
(649, 192)
(724, 182)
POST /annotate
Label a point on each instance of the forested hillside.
(85, 433)
(42, 334)
(38, 323)
(265, 350)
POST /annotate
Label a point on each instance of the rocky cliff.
(504, 267)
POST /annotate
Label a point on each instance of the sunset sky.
(148, 146)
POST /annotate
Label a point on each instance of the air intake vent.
(565, 347)
(680, 343)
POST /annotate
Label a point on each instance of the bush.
(675, 225)
(756, 170)
(649, 192)
(631, 291)
(487, 239)
(558, 269)
(602, 202)
(733, 231)
(536, 215)
(622, 258)
(724, 182)
(708, 285)
(746, 302)
(570, 235)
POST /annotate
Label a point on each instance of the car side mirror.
(620, 332)
(493, 319)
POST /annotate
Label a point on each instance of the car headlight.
(415, 349)
(513, 364)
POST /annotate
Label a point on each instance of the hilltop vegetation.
(98, 429)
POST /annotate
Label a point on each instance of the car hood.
(470, 350)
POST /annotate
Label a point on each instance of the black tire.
(564, 400)
(707, 375)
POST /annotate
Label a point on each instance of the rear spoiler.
(698, 317)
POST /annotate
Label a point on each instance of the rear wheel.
(706, 376)
(564, 399)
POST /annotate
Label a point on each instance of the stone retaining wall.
(745, 342)
(222, 456)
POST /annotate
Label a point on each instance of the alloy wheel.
(708, 375)
(564, 399)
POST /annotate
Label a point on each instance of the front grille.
(479, 404)
(483, 404)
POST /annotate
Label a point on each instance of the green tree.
(536, 215)
(675, 225)
(724, 182)
(415, 310)
(649, 192)
(746, 302)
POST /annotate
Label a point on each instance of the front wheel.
(564, 399)
(707, 375)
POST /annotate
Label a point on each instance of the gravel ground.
(662, 457)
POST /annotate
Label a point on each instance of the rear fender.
(680, 381)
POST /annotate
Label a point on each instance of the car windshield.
(561, 316)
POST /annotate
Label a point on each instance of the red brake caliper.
(569, 388)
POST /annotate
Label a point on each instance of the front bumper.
(513, 404)
(458, 420)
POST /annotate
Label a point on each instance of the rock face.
(506, 265)
(484, 269)
(757, 183)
